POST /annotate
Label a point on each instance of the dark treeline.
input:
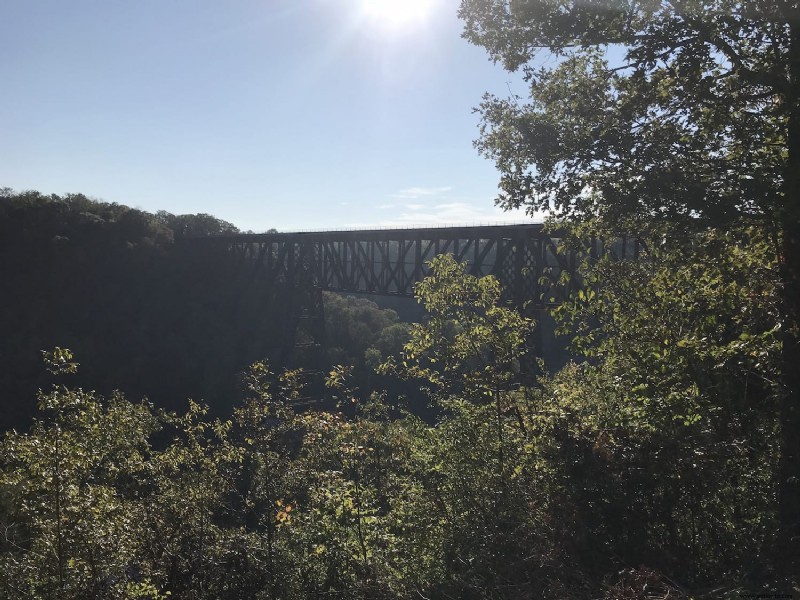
(147, 314)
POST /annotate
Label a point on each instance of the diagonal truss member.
(524, 258)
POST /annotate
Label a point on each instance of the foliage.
(669, 118)
(356, 327)
(59, 361)
(74, 481)
(469, 344)
(660, 452)
(675, 110)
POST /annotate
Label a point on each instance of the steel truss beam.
(389, 262)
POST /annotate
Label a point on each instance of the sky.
(292, 114)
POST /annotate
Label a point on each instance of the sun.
(396, 13)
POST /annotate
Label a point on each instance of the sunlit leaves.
(656, 109)
(59, 361)
(469, 343)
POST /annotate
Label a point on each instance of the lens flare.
(397, 13)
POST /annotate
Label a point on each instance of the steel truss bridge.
(524, 258)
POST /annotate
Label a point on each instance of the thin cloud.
(451, 213)
(417, 192)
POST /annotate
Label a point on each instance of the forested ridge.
(147, 314)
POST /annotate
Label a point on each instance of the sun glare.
(397, 13)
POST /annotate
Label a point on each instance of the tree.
(71, 529)
(483, 470)
(470, 344)
(696, 125)
(199, 225)
(673, 419)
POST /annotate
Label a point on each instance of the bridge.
(298, 266)
(524, 258)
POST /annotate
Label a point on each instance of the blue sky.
(294, 114)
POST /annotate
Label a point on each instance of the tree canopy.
(640, 109)
(668, 116)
